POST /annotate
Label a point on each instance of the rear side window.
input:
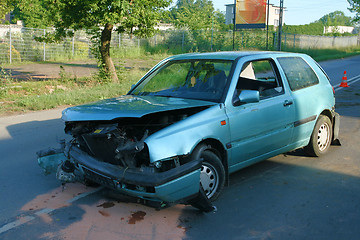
(298, 73)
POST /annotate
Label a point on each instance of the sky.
(299, 12)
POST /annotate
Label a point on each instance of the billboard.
(250, 14)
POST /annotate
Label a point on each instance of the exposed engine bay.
(114, 154)
(121, 142)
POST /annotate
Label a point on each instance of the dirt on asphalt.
(78, 69)
(50, 70)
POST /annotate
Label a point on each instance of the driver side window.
(260, 75)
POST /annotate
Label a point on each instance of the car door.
(302, 82)
(264, 127)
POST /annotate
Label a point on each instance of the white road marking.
(349, 82)
(44, 211)
(27, 218)
(20, 221)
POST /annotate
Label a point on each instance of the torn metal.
(114, 154)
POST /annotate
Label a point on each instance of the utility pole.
(267, 25)
(212, 33)
(234, 25)
(280, 24)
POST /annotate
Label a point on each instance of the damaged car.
(194, 119)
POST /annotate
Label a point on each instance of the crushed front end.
(114, 154)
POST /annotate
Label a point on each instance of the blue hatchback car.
(194, 119)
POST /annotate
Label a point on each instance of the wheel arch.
(317, 146)
(218, 148)
(331, 115)
(328, 113)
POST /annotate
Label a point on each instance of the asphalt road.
(335, 68)
(286, 197)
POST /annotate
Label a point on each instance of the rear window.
(298, 73)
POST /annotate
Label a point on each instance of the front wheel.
(212, 176)
(321, 137)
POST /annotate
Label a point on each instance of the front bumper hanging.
(177, 185)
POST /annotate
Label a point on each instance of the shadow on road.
(285, 197)
(282, 200)
(50, 70)
(21, 178)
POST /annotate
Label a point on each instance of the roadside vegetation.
(121, 67)
(32, 95)
(328, 54)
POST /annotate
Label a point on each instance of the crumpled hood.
(128, 106)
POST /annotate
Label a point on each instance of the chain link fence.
(18, 44)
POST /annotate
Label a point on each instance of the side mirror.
(247, 96)
(132, 88)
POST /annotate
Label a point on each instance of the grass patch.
(132, 64)
(328, 54)
(22, 96)
(139, 53)
(33, 95)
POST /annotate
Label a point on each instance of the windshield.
(191, 79)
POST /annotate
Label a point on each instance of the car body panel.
(182, 137)
(309, 103)
(256, 129)
(128, 106)
(243, 134)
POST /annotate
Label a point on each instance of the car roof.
(229, 55)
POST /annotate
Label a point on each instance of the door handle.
(288, 103)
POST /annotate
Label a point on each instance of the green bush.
(5, 82)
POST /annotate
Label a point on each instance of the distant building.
(274, 14)
(4, 29)
(339, 29)
(164, 26)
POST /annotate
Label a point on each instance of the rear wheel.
(212, 176)
(321, 137)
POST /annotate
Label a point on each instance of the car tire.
(321, 137)
(212, 176)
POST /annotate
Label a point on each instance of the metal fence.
(18, 44)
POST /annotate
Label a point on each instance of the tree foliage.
(5, 7)
(355, 8)
(193, 14)
(336, 18)
(36, 13)
(307, 29)
(198, 17)
(98, 17)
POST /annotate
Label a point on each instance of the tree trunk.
(105, 52)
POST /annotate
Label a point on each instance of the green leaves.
(132, 16)
(5, 8)
(193, 15)
(355, 8)
(36, 13)
(336, 18)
